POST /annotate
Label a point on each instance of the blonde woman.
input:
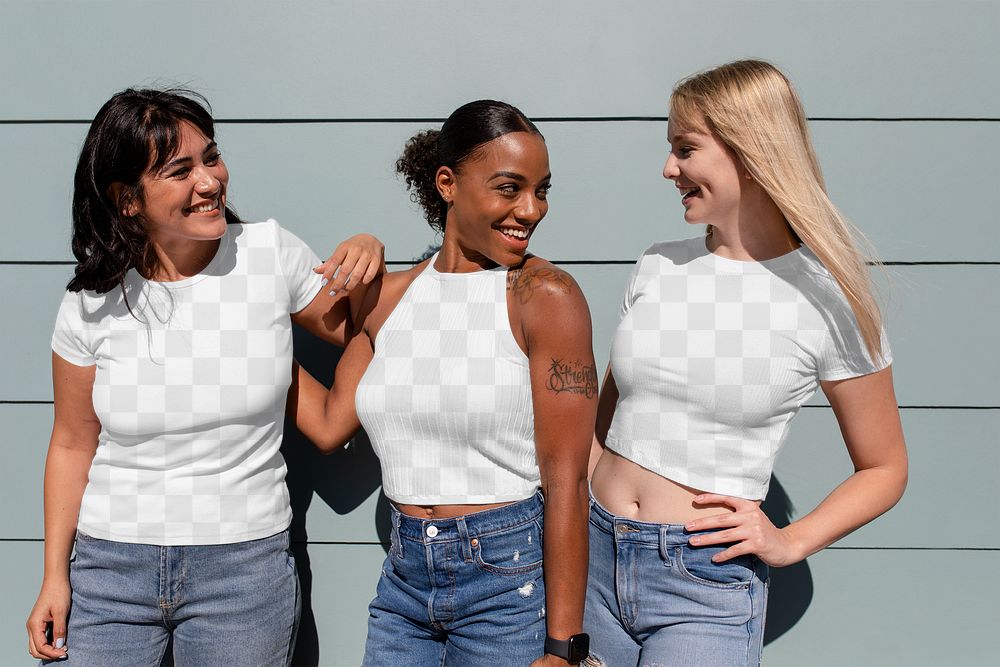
(722, 338)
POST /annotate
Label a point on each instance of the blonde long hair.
(753, 108)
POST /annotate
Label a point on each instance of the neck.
(455, 258)
(182, 259)
(757, 232)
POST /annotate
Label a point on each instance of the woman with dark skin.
(170, 365)
(461, 465)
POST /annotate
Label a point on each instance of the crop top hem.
(680, 476)
(465, 500)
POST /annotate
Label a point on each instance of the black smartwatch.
(574, 649)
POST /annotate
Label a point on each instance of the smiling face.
(185, 200)
(707, 174)
(497, 198)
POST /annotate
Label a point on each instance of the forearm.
(565, 548)
(326, 417)
(858, 500)
(66, 473)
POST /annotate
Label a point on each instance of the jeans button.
(432, 530)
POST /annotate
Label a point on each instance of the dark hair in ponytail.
(466, 130)
(135, 132)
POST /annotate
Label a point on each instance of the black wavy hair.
(466, 130)
(136, 131)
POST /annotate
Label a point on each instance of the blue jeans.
(465, 591)
(652, 599)
(226, 604)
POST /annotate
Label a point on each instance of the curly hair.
(136, 132)
(459, 140)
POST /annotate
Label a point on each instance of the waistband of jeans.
(636, 531)
(477, 523)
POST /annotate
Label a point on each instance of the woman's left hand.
(355, 261)
(747, 528)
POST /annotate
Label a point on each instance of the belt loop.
(664, 546)
(397, 541)
(463, 532)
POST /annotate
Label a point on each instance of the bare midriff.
(444, 511)
(628, 490)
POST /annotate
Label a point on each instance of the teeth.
(516, 233)
(687, 192)
(205, 208)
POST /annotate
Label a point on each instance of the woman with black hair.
(171, 363)
(480, 392)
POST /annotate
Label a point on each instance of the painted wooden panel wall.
(315, 100)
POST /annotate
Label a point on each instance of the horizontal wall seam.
(346, 543)
(821, 406)
(539, 119)
(565, 262)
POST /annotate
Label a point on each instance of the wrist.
(571, 650)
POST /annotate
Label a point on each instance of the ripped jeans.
(654, 600)
(466, 591)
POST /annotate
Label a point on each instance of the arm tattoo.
(573, 377)
(525, 283)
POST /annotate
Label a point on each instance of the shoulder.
(384, 293)
(537, 279)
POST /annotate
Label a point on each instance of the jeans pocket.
(695, 564)
(510, 552)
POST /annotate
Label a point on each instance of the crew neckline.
(790, 257)
(220, 252)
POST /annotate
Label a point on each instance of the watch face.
(579, 647)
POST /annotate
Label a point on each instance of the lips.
(688, 193)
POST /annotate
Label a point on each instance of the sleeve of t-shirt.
(297, 261)
(629, 298)
(70, 338)
(845, 354)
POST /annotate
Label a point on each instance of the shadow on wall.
(791, 588)
(343, 480)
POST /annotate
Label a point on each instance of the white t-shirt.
(446, 400)
(713, 357)
(191, 393)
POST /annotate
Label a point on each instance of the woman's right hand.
(51, 608)
(356, 261)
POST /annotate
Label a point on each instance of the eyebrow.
(183, 160)
(515, 176)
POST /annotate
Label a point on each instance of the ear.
(446, 183)
(117, 192)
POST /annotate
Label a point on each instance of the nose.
(205, 181)
(530, 209)
(670, 169)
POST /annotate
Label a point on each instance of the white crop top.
(713, 357)
(446, 400)
(191, 396)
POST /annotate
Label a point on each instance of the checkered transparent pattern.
(446, 400)
(713, 358)
(191, 395)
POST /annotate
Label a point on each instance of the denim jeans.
(465, 591)
(652, 599)
(226, 604)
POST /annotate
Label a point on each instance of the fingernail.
(333, 292)
(323, 282)
(60, 642)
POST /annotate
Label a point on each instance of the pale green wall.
(891, 87)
